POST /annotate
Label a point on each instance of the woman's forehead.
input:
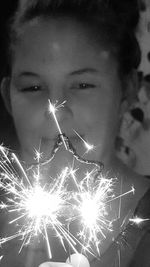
(52, 42)
(61, 29)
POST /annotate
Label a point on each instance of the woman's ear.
(5, 92)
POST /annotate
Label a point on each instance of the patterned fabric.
(134, 138)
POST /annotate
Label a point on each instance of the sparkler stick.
(48, 243)
(53, 109)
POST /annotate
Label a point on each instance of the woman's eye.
(31, 89)
(83, 86)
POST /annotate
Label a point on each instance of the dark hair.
(116, 20)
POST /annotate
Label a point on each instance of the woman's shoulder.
(140, 183)
(130, 181)
(143, 207)
(131, 246)
(142, 253)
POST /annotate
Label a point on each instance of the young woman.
(85, 53)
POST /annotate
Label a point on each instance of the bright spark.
(138, 220)
(87, 145)
(93, 211)
(38, 155)
(1, 257)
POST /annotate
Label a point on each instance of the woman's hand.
(54, 264)
(75, 260)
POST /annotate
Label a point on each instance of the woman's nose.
(59, 109)
(57, 94)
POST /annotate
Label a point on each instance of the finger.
(54, 264)
(78, 260)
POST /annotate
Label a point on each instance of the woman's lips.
(74, 139)
(48, 144)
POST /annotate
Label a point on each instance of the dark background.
(6, 126)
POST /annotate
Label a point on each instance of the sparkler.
(40, 208)
(93, 209)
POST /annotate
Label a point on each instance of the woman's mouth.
(73, 139)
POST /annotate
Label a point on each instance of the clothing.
(132, 246)
(142, 253)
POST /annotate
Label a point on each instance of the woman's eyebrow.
(84, 71)
(27, 73)
(76, 72)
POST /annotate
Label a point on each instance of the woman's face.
(60, 60)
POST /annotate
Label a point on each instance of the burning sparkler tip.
(138, 220)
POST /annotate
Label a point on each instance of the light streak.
(53, 109)
(87, 145)
(124, 194)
